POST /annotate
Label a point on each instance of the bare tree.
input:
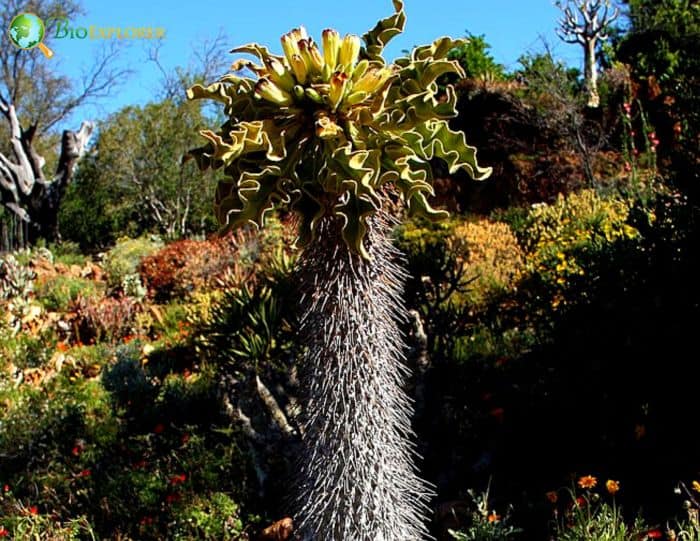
(34, 99)
(586, 22)
(207, 62)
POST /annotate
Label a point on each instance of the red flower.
(652, 136)
(146, 520)
(6, 488)
(185, 438)
(177, 479)
(3, 532)
(172, 498)
(140, 464)
(84, 473)
(498, 414)
(159, 428)
(654, 534)
(580, 502)
(76, 451)
(628, 167)
(34, 510)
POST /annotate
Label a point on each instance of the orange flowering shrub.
(489, 251)
(186, 266)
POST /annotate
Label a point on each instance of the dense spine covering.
(336, 136)
(357, 481)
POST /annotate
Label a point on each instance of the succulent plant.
(16, 280)
(335, 134)
(326, 132)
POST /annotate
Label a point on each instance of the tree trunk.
(23, 188)
(357, 479)
(591, 73)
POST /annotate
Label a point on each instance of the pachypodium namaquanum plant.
(326, 132)
(334, 133)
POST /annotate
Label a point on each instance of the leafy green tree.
(475, 58)
(661, 48)
(34, 100)
(337, 136)
(540, 70)
(134, 180)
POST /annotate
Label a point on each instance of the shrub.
(567, 238)
(124, 258)
(185, 266)
(57, 293)
(68, 253)
(25, 350)
(213, 518)
(489, 251)
(105, 319)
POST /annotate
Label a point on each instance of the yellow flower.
(612, 486)
(696, 486)
(587, 481)
(331, 47)
(268, 90)
(349, 52)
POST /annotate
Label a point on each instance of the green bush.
(25, 350)
(567, 239)
(122, 260)
(68, 253)
(214, 518)
(58, 293)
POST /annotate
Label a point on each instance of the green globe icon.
(27, 31)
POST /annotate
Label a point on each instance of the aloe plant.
(337, 135)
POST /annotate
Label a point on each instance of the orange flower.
(552, 496)
(34, 510)
(612, 486)
(587, 481)
(62, 346)
(493, 517)
(639, 432)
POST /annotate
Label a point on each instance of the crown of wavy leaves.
(323, 131)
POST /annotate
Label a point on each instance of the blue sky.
(511, 27)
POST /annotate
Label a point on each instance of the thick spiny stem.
(357, 480)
